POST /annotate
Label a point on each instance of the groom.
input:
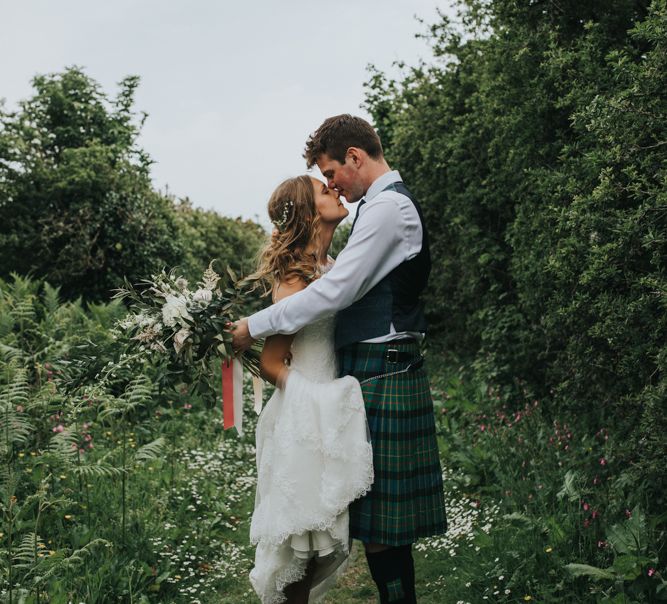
(375, 288)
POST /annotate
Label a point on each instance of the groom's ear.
(355, 156)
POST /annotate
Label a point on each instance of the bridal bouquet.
(168, 317)
(191, 326)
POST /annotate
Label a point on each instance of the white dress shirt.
(387, 233)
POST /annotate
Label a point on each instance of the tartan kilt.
(406, 500)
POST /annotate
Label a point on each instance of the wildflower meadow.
(123, 486)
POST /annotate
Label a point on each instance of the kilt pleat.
(406, 501)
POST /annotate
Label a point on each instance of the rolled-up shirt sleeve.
(377, 245)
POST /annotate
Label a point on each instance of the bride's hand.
(241, 338)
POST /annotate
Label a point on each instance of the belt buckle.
(392, 358)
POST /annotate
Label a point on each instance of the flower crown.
(282, 221)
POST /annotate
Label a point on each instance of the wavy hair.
(292, 210)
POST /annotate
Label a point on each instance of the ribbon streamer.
(232, 394)
(257, 390)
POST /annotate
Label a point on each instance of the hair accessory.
(280, 224)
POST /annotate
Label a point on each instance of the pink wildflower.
(90, 445)
(58, 428)
(603, 461)
(595, 514)
(586, 507)
(482, 427)
(650, 572)
(187, 406)
(628, 514)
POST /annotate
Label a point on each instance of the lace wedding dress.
(313, 458)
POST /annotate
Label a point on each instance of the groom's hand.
(242, 340)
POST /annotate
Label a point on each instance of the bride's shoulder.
(287, 286)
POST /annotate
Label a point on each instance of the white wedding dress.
(313, 458)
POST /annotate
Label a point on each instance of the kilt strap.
(413, 366)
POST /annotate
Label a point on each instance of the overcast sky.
(232, 89)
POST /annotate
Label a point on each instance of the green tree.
(209, 236)
(76, 202)
(536, 143)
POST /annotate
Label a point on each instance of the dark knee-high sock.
(393, 571)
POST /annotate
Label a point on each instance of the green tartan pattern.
(406, 500)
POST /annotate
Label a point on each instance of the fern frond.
(9, 353)
(97, 470)
(17, 391)
(139, 392)
(61, 562)
(63, 446)
(15, 426)
(150, 451)
(51, 297)
(4, 475)
(23, 312)
(24, 554)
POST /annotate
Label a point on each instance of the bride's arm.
(276, 352)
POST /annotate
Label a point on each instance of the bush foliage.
(537, 143)
(76, 201)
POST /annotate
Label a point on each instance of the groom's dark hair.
(337, 134)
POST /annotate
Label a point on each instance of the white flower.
(157, 346)
(182, 284)
(210, 278)
(203, 297)
(175, 308)
(180, 338)
(140, 320)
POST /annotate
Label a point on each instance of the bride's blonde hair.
(297, 224)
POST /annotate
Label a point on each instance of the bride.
(313, 452)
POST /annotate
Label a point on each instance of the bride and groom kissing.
(346, 446)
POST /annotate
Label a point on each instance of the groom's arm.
(383, 237)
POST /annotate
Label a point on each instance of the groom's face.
(344, 178)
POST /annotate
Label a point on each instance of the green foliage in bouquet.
(189, 327)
